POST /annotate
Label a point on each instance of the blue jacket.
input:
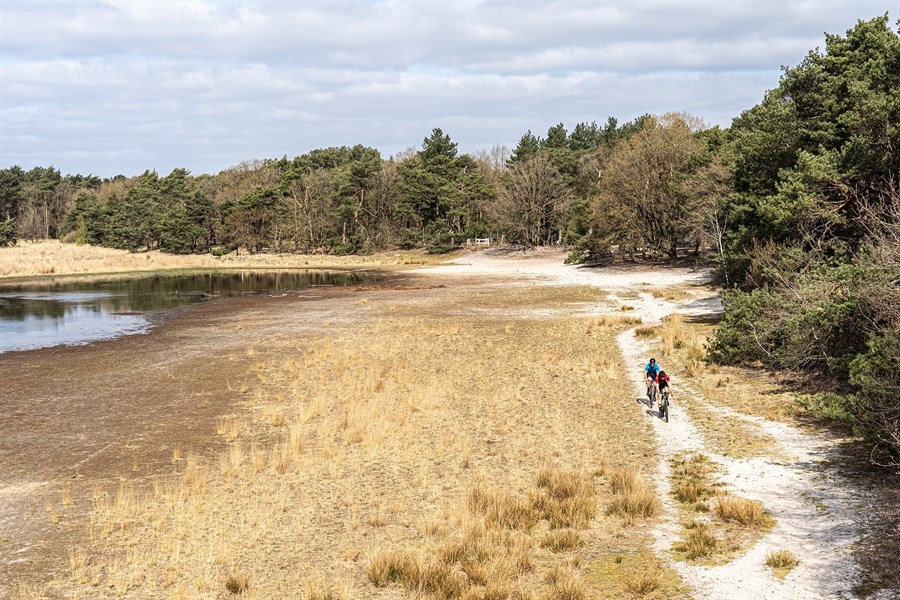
(652, 370)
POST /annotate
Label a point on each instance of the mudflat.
(75, 418)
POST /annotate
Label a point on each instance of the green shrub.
(8, 233)
(876, 405)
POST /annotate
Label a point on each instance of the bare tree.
(533, 200)
(707, 189)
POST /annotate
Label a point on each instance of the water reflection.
(48, 314)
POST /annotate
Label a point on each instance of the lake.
(44, 314)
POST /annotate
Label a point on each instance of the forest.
(797, 203)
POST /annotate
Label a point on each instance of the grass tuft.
(501, 510)
(642, 584)
(692, 478)
(633, 496)
(561, 540)
(565, 498)
(565, 584)
(647, 331)
(699, 542)
(744, 512)
(414, 573)
(782, 561)
(237, 583)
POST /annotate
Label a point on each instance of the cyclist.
(650, 372)
(662, 382)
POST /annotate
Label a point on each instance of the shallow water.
(41, 315)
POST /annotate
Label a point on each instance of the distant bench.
(479, 242)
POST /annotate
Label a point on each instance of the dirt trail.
(813, 507)
(814, 514)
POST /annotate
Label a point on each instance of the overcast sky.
(121, 87)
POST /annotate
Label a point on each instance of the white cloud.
(126, 86)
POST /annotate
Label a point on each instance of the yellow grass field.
(51, 257)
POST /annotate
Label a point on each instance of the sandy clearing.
(815, 509)
(547, 267)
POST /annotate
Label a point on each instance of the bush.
(438, 239)
(816, 321)
(875, 406)
(409, 238)
(743, 312)
(829, 406)
(8, 233)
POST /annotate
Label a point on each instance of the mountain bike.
(664, 405)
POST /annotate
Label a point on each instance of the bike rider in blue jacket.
(651, 371)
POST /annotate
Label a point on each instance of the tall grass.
(633, 496)
(365, 425)
(676, 336)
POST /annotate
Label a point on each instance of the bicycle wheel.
(664, 409)
(652, 395)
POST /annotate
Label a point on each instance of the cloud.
(127, 86)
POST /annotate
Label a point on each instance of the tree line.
(798, 204)
(336, 200)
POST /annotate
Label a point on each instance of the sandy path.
(814, 510)
(814, 514)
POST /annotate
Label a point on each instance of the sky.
(120, 87)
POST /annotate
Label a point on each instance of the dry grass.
(644, 584)
(677, 337)
(27, 591)
(435, 438)
(51, 257)
(670, 293)
(565, 583)
(633, 496)
(639, 575)
(237, 583)
(692, 478)
(647, 331)
(744, 512)
(612, 321)
(729, 436)
(565, 498)
(699, 541)
(500, 509)
(561, 540)
(415, 573)
(319, 589)
(782, 562)
(734, 523)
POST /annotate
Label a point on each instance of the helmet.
(652, 361)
